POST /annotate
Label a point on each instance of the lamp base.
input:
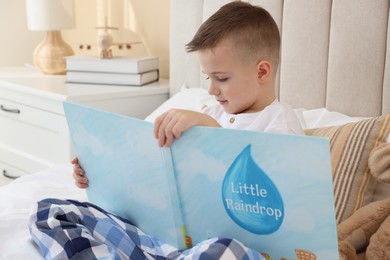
(49, 55)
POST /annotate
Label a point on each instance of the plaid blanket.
(68, 229)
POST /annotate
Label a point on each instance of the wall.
(17, 44)
(148, 18)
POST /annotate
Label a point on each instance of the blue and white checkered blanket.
(68, 229)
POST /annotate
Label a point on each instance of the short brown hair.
(251, 28)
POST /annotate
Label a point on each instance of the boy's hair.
(251, 29)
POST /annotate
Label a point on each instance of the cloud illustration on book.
(299, 220)
(142, 142)
(192, 167)
(250, 197)
(149, 198)
(86, 140)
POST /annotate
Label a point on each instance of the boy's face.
(233, 82)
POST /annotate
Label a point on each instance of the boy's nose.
(213, 90)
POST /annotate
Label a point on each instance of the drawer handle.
(10, 110)
(5, 174)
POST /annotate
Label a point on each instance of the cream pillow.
(350, 147)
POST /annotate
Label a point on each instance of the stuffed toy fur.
(379, 162)
(368, 229)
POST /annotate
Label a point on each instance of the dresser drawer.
(33, 131)
(9, 173)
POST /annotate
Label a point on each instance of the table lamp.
(51, 16)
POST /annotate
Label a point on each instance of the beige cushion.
(350, 147)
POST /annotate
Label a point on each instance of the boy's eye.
(220, 79)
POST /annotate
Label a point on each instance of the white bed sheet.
(17, 200)
(18, 197)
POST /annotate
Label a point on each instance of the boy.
(238, 50)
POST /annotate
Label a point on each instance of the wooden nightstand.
(33, 129)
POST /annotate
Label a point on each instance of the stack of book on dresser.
(115, 71)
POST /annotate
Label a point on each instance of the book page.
(272, 192)
(126, 169)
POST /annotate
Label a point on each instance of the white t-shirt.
(276, 118)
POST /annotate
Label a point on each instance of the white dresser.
(33, 129)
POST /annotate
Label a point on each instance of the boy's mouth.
(222, 102)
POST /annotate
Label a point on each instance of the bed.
(334, 71)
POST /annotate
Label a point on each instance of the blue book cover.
(272, 192)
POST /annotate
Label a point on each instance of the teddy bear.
(368, 229)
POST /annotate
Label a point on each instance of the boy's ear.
(263, 70)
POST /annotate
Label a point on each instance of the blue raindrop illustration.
(250, 197)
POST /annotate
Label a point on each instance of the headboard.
(334, 54)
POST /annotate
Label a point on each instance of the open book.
(272, 192)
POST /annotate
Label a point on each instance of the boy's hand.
(78, 174)
(171, 124)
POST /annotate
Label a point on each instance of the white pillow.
(321, 117)
(187, 98)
